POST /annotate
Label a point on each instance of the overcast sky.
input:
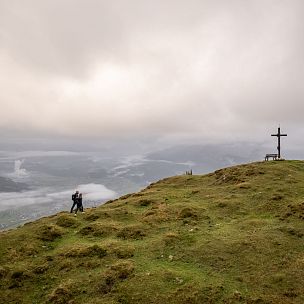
(175, 68)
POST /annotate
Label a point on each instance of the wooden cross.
(278, 135)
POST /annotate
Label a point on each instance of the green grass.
(232, 236)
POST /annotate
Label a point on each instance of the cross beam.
(279, 135)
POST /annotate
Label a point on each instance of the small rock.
(170, 257)
(179, 280)
(237, 295)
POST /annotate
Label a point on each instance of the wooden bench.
(273, 156)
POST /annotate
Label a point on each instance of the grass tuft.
(117, 273)
(98, 229)
(49, 232)
(133, 232)
(79, 251)
(67, 221)
(61, 294)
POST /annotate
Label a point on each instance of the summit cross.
(279, 135)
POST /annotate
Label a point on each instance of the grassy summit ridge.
(232, 236)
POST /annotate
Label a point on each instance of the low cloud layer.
(91, 192)
(176, 68)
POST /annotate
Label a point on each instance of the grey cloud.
(150, 67)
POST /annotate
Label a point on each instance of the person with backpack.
(74, 199)
(79, 204)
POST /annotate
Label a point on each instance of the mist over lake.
(36, 183)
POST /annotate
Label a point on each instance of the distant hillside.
(208, 157)
(8, 185)
(232, 236)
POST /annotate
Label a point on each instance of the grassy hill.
(232, 236)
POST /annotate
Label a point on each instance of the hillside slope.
(232, 236)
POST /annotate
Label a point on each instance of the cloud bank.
(91, 193)
(100, 68)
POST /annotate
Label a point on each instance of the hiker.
(74, 199)
(79, 204)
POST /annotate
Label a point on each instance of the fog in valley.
(35, 183)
